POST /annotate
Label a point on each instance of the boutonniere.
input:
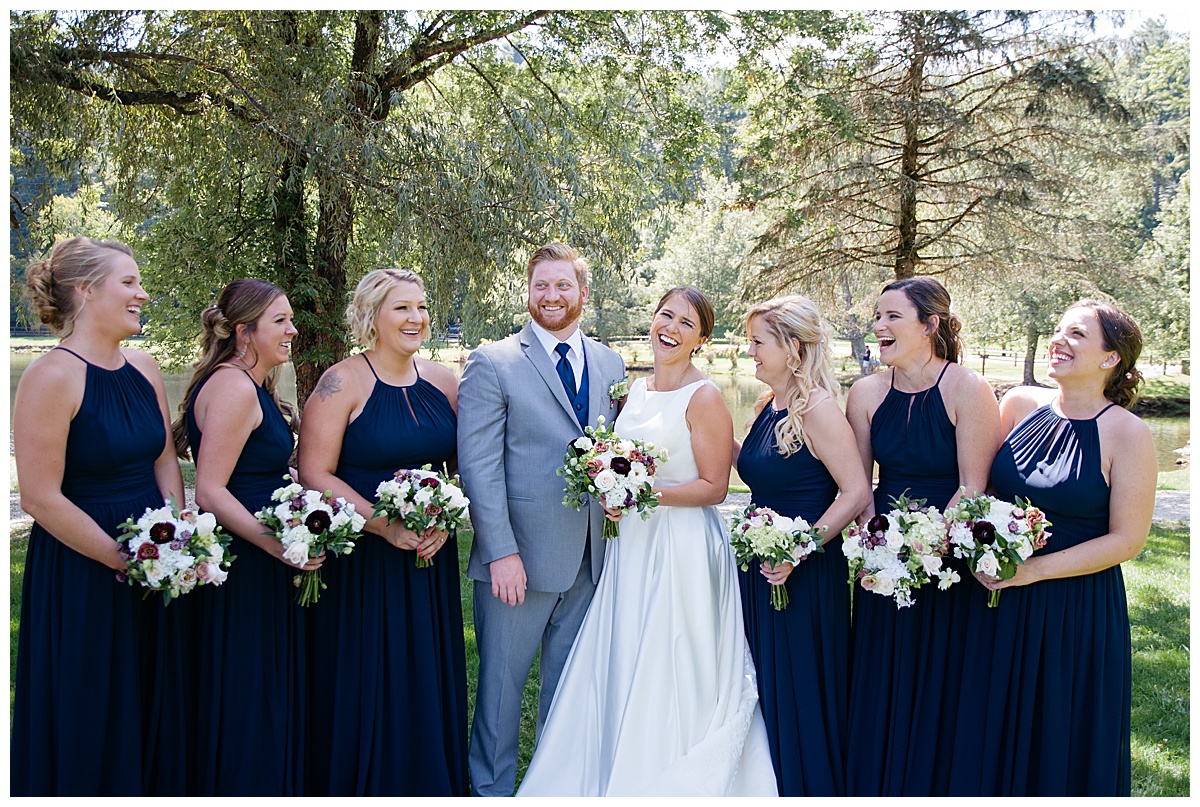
(618, 390)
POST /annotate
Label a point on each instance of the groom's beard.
(569, 314)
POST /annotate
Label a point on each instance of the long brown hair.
(1121, 334)
(242, 302)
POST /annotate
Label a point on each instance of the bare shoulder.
(1125, 427)
(440, 376)
(53, 367)
(869, 391)
(707, 399)
(143, 361)
(344, 380)
(1018, 402)
(231, 386)
(962, 381)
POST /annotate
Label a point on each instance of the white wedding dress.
(659, 694)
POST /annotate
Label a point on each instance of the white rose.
(1024, 549)
(423, 496)
(623, 447)
(357, 522)
(216, 575)
(852, 549)
(884, 584)
(932, 564)
(296, 554)
(988, 564)
(605, 480)
(894, 538)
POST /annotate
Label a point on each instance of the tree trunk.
(906, 219)
(1031, 350)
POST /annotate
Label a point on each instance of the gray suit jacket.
(514, 425)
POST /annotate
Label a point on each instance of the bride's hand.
(612, 514)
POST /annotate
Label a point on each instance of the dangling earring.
(241, 354)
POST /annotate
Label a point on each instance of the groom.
(535, 562)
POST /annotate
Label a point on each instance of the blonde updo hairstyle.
(1122, 335)
(73, 265)
(242, 302)
(372, 290)
(794, 322)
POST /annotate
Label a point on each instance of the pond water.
(740, 394)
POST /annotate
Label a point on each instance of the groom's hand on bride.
(508, 579)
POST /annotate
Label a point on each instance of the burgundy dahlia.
(162, 533)
(317, 522)
(620, 465)
(983, 532)
(877, 524)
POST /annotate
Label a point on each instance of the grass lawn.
(1158, 586)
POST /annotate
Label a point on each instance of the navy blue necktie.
(565, 372)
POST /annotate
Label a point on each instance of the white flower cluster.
(304, 533)
(174, 551)
(897, 553)
(423, 500)
(996, 536)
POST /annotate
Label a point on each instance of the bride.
(659, 695)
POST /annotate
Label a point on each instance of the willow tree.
(308, 146)
(940, 143)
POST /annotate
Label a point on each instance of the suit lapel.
(537, 354)
(597, 388)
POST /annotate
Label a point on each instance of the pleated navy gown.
(250, 665)
(907, 668)
(85, 689)
(389, 697)
(802, 653)
(1059, 666)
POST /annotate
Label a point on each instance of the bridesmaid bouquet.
(996, 536)
(173, 551)
(899, 552)
(425, 501)
(308, 523)
(760, 532)
(618, 472)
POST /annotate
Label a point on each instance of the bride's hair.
(794, 322)
(704, 309)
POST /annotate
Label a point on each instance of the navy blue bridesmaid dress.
(388, 662)
(802, 653)
(906, 672)
(81, 718)
(250, 665)
(1060, 666)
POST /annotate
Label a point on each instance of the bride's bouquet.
(173, 551)
(308, 523)
(425, 501)
(899, 552)
(996, 536)
(617, 471)
(760, 532)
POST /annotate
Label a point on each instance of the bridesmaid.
(251, 668)
(907, 669)
(798, 454)
(1061, 664)
(387, 654)
(91, 437)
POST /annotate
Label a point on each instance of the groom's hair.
(558, 251)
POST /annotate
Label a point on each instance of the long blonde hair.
(795, 324)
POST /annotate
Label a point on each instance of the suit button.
(586, 500)
(578, 407)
